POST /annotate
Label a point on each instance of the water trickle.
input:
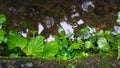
(24, 34)
(86, 4)
(67, 27)
(40, 28)
(116, 30)
(80, 22)
(50, 14)
(73, 8)
(49, 21)
(75, 15)
(50, 38)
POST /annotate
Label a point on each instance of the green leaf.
(110, 38)
(70, 49)
(118, 19)
(101, 33)
(68, 36)
(2, 33)
(16, 41)
(75, 46)
(80, 41)
(13, 32)
(35, 46)
(57, 39)
(103, 44)
(108, 32)
(89, 44)
(85, 33)
(61, 31)
(2, 18)
(50, 49)
(65, 43)
(118, 43)
(84, 54)
(84, 30)
(118, 52)
(92, 39)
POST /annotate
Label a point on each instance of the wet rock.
(30, 65)
(96, 61)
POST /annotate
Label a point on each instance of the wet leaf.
(85, 33)
(84, 30)
(61, 31)
(118, 19)
(118, 43)
(89, 44)
(35, 46)
(50, 49)
(70, 49)
(2, 33)
(118, 52)
(108, 32)
(13, 32)
(2, 18)
(110, 38)
(65, 43)
(101, 33)
(75, 46)
(16, 41)
(80, 41)
(103, 44)
(68, 36)
(92, 39)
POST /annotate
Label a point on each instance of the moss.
(96, 61)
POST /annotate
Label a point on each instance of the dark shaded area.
(36, 11)
(88, 62)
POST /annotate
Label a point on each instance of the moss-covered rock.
(96, 61)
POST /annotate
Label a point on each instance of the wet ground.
(27, 14)
(22, 14)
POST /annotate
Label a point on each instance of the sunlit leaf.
(108, 32)
(89, 44)
(92, 39)
(118, 19)
(61, 31)
(68, 36)
(80, 41)
(110, 38)
(118, 43)
(84, 30)
(16, 41)
(65, 43)
(75, 46)
(35, 46)
(50, 49)
(70, 49)
(101, 33)
(103, 44)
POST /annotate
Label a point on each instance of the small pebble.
(29, 65)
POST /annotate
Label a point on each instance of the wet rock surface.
(88, 62)
(92, 12)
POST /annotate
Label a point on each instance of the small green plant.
(2, 18)
(2, 32)
(85, 43)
